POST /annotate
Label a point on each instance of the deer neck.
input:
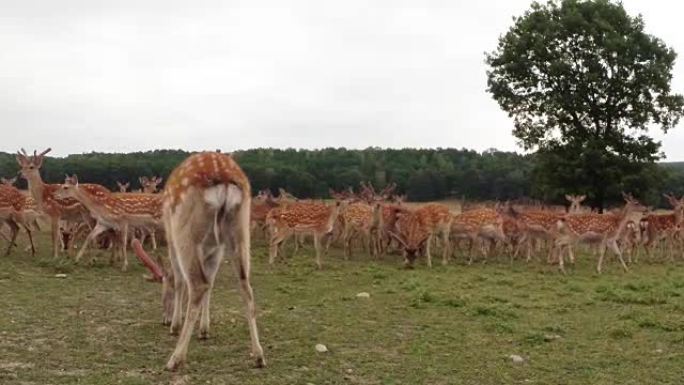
(334, 213)
(622, 219)
(37, 188)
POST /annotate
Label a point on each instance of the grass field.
(449, 325)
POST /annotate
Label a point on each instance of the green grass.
(449, 325)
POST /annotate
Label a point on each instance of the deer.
(12, 206)
(8, 181)
(575, 203)
(536, 226)
(478, 224)
(605, 229)
(112, 212)
(150, 185)
(416, 229)
(315, 218)
(663, 227)
(262, 204)
(123, 187)
(206, 209)
(44, 196)
(362, 219)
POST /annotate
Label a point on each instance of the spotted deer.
(13, 207)
(44, 195)
(150, 185)
(416, 229)
(123, 187)
(575, 203)
(663, 227)
(8, 181)
(605, 229)
(361, 219)
(112, 211)
(536, 226)
(478, 224)
(262, 204)
(315, 218)
(206, 209)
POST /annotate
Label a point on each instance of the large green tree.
(583, 82)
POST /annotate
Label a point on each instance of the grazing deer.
(417, 228)
(44, 196)
(663, 227)
(206, 206)
(575, 203)
(123, 187)
(150, 185)
(605, 229)
(472, 225)
(315, 218)
(111, 211)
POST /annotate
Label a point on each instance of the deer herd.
(206, 213)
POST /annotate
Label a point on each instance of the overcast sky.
(117, 76)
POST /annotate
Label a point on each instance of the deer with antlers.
(206, 206)
(416, 229)
(111, 211)
(605, 229)
(315, 218)
(44, 195)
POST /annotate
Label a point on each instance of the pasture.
(449, 325)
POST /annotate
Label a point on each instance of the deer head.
(30, 165)
(8, 182)
(575, 202)
(123, 187)
(68, 189)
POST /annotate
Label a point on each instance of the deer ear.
(568, 197)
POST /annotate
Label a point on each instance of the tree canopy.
(583, 81)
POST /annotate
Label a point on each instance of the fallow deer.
(8, 181)
(364, 220)
(663, 227)
(315, 218)
(478, 224)
(117, 212)
(606, 229)
(416, 229)
(150, 185)
(12, 205)
(123, 187)
(44, 196)
(575, 203)
(206, 206)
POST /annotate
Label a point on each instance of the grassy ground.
(449, 325)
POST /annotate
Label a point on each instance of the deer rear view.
(206, 210)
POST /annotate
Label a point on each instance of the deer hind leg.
(14, 231)
(317, 247)
(615, 248)
(445, 247)
(427, 250)
(602, 253)
(55, 237)
(30, 237)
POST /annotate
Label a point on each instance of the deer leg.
(210, 268)
(445, 245)
(277, 238)
(124, 246)
(97, 230)
(427, 250)
(317, 247)
(616, 249)
(14, 231)
(30, 237)
(602, 253)
(55, 237)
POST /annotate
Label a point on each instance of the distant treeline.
(421, 174)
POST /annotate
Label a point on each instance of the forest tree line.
(422, 174)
